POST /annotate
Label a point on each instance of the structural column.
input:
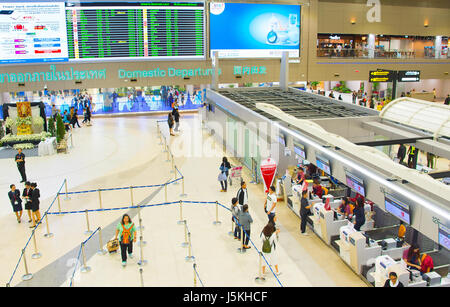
(437, 47)
(284, 71)
(215, 66)
(371, 46)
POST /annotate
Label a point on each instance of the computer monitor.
(299, 150)
(444, 236)
(323, 164)
(355, 183)
(397, 208)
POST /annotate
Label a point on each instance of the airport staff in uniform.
(20, 160)
(304, 209)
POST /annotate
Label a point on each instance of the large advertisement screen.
(243, 30)
(397, 208)
(323, 164)
(135, 30)
(355, 183)
(444, 236)
(32, 32)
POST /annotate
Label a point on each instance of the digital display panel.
(248, 30)
(323, 164)
(134, 30)
(444, 239)
(299, 150)
(355, 183)
(397, 208)
(32, 32)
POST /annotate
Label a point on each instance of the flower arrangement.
(23, 138)
(23, 146)
(24, 121)
(38, 121)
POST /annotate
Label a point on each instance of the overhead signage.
(408, 76)
(268, 169)
(381, 75)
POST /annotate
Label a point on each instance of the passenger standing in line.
(16, 202)
(26, 194)
(401, 153)
(20, 160)
(170, 122)
(245, 219)
(271, 203)
(224, 168)
(235, 210)
(359, 214)
(304, 209)
(242, 194)
(35, 194)
(268, 236)
(126, 231)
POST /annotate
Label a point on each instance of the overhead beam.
(394, 142)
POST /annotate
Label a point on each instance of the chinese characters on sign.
(249, 70)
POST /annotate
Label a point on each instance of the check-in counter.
(328, 226)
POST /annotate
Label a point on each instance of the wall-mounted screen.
(248, 30)
(355, 183)
(323, 164)
(134, 30)
(397, 208)
(444, 239)
(299, 150)
(282, 139)
(32, 32)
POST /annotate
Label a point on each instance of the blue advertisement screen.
(323, 164)
(254, 30)
(444, 236)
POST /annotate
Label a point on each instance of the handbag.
(222, 177)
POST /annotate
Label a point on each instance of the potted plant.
(314, 84)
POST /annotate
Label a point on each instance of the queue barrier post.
(67, 191)
(189, 257)
(231, 233)
(182, 188)
(185, 243)
(142, 261)
(260, 279)
(140, 228)
(181, 221)
(84, 268)
(242, 250)
(217, 222)
(59, 204)
(48, 234)
(141, 277)
(165, 145)
(88, 231)
(165, 191)
(36, 254)
(195, 275)
(168, 153)
(27, 275)
(101, 250)
(173, 165)
(100, 198)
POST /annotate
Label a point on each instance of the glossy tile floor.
(123, 152)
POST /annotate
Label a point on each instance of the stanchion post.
(27, 275)
(36, 254)
(165, 191)
(182, 187)
(168, 153)
(165, 144)
(142, 277)
(141, 228)
(173, 165)
(241, 249)
(48, 234)
(195, 275)
(260, 278)
(189, 257)
(84, 268)
(88, 231)
(175, 175)
(67, 191)
(181, 221)
(231, 233)
(59, 204)
(101, 250)
(185, 243)
(142, 261)
(217, 222)
(100, 198)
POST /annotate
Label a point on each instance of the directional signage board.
(408, 76)
(381, 76)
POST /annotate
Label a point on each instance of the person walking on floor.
(126, 232)
(35, 194)
(304, 209)
(224, 168)
(16, 202)
(270, 204)
(170, 122)
(235, 210)
(242, 194)
(245, 219)
(268, 237)
(176, 115)
(26, 194)
(401, 153)
(20, 160)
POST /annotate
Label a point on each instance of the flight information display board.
(32, 32)
(131, 30)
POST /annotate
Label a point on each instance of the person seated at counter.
(412, 257)
(401, 231)
(346, 208)
(300, 176)
(358, 212)
(318, 189)
(393, 281)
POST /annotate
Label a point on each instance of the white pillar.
(371, 46)
(215, 66)
(189, 89)
(107, 96)
(437, 47)
(284, 71)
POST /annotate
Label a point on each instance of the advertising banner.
(268, 169)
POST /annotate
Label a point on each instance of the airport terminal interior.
(199, 143)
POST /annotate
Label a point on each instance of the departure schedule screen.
(32, 32)
(135, 30)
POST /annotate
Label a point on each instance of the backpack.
(126, 234)
(267, 247)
